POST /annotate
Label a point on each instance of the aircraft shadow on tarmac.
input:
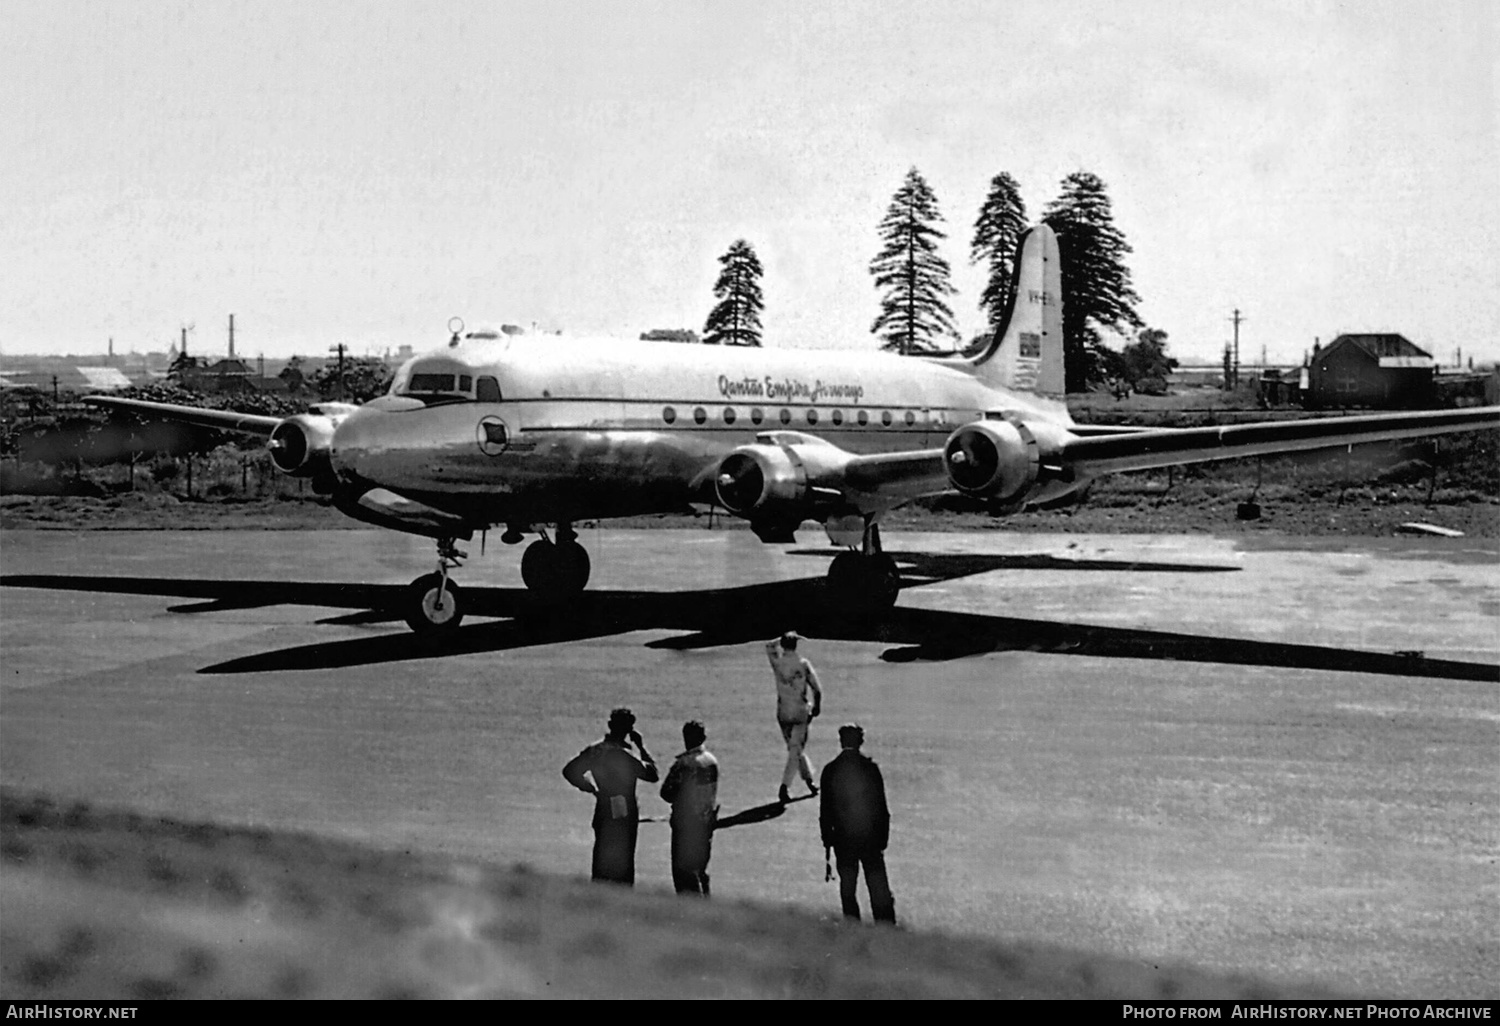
(730, 616)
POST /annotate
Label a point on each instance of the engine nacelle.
(763, 481)
(783, 477)
(993, 459)
(300, 445)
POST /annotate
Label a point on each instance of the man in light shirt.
(799, 699)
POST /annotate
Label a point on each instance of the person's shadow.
(758, 814)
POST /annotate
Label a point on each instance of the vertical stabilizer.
(1027, 353)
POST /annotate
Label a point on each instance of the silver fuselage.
(597, 428)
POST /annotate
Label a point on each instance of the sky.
(359, 173)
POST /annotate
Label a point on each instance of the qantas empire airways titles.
(788, 389)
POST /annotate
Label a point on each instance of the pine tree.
(735, 320)
(915, 277)
(997, 233)
(1097, 292)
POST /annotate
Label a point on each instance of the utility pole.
(340, 350)
(1235, 371)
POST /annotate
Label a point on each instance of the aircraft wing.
(224, 420)
(1143, 450)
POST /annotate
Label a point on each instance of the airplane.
(527, 430)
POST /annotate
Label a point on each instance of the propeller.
(740, 483)
(972, 460)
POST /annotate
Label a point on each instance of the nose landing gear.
(554, 571)
(434, 602)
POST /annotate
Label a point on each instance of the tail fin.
(1027, 353)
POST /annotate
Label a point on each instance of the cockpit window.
(436, 383)
(430, 383)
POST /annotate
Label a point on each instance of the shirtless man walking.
(799, 699)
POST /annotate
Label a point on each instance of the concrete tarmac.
(1277, 761)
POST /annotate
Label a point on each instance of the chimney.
(231, 336)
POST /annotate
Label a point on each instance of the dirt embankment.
(113, 905)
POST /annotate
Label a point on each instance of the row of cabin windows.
(488, 391)
(757, 416)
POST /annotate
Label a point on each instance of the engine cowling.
(300, 445)
(993, 459)
(783, 478)
(763, 481)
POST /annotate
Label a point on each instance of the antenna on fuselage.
(456, 326)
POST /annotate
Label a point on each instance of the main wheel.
(433, 606)
(538, 564)
(574, 566)
(553, 572)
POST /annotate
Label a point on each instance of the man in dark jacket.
(692, 789)
(856, 825)
(616, 817)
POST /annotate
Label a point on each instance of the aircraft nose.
(426, 448)
(372, 446)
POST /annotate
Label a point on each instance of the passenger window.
(489, 390)
(786, 416)
(812, 416)
(838, 416)
(864, 418)
(729, 415)
(911, 418)
(885, 417)
(757, 415)
(668, 414)
(700, 415)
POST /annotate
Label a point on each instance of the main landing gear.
(867, 581)
(556, 570)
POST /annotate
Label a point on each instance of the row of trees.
(914, 280)
(351, 379)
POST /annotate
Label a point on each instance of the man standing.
(692, 789)
(857, 825)
(616, 817)
(795, 709)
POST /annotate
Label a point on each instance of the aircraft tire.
(422, 613)
(555, 571)
(574, 566)
(538, 565)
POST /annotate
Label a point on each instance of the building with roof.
(1374, 370)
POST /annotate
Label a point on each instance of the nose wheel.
(555, 570)
(434, 603)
